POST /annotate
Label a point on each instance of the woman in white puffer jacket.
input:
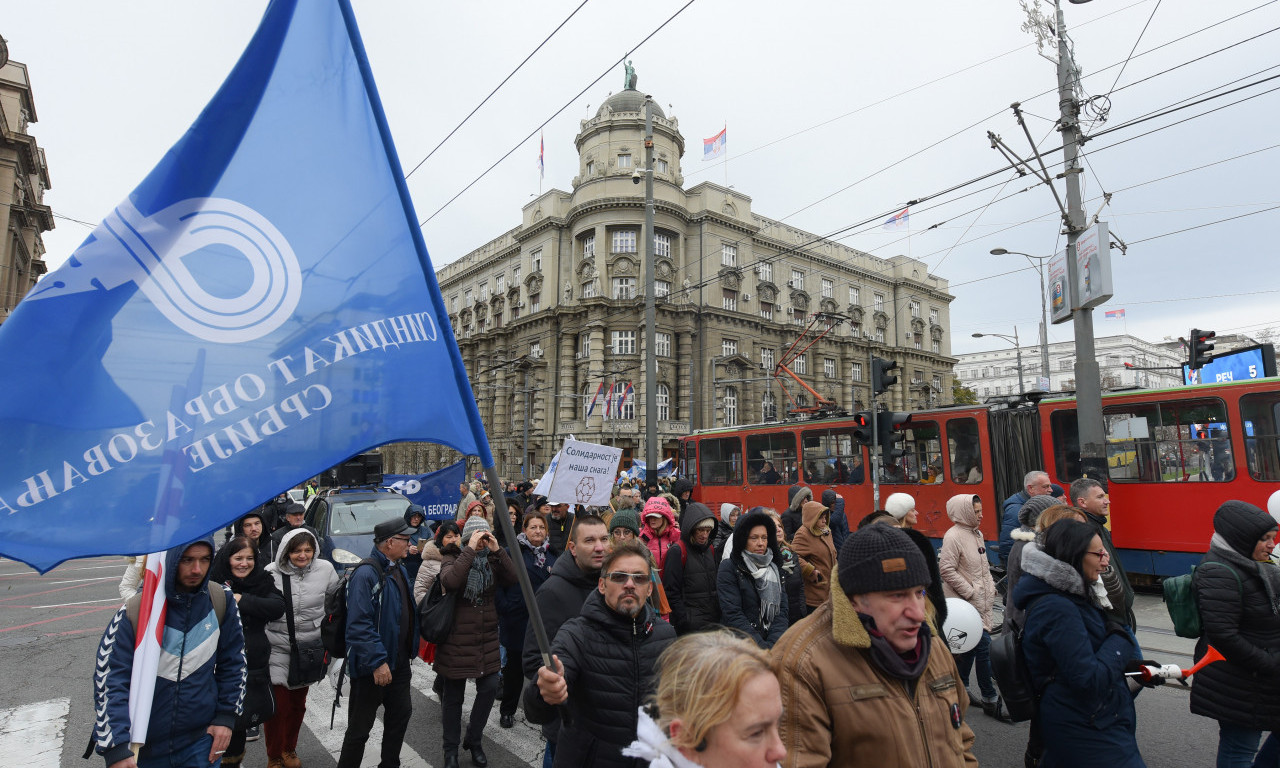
(310, 581)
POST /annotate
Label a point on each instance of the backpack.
(333, 627)
(1180, 600)
(1009, 668)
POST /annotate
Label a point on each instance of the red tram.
(1173, 456)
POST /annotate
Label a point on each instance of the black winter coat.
(1239, 620)
(558, 533)
(513, 614)
(560, 598)
(797, 495)
(689, 578)
(260, 602)
(609, 661)
(793, 585)
(739, 600)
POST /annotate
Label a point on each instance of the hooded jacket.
(792, 519)
(678, 489)
(262, 552)
(259, 602)
(813, 543)
(373, 621)
(690, 577)
(201, 678)
(1086, 709)
(1025, 533)
(723, 531)
(472, 649)
(609, 660)
(658, 544)
(739, 600)
(308, 587)
(839, 521)
(1241, 618)
(842, 709)
(963, 565)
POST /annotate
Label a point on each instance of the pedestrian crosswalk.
(39, 733)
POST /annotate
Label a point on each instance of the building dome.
(629, 100)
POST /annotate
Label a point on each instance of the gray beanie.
(1032, 507)
(473, 524)
(881, 558)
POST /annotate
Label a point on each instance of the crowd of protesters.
(683, 635)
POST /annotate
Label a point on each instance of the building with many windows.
(24, 177)
(1123, 361)
(549, 316)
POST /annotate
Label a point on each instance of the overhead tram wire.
(1131, 51)
(556, 114)
(497, 88)
(1206, 224)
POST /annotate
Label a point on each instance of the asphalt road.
(50, 626)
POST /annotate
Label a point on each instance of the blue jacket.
(201, 676)
(1009, 520)
(1086, 711)
(374, 613)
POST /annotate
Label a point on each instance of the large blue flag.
(438, 492)
(261, 307)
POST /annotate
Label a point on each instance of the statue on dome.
(629, 81)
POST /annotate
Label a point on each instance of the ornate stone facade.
(734, 290)
(24, 177)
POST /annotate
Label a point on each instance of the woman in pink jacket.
(966, 574)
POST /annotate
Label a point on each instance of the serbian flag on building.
(623, 393)
(542, 157)
(592, 408)
(259, 308)
(148, 636)
(608, 401)
(899, 220)
(714, 146)
(1114, 314)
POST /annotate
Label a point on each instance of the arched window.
(730, 406)
(627, 409)
(769, 407)
(663, 397)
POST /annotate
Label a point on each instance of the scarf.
(1266, 572)
(768, 584)
(653, 746)
(479, 578)
(907, 666)
(539, 553)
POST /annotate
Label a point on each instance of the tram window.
(1261, 416)
(922, 462)
(721, 461)
(835, 454)
(965, 451)
(771, 459)
(689, 468)
(1066, 443)
(1174, 441)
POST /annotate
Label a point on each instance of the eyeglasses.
(1102, 554)
(622, 577)
(403, 539)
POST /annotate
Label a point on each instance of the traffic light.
(887, 423)
(881, 379)
(1199, 348)
(862, 428)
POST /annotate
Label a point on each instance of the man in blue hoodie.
(199, 687)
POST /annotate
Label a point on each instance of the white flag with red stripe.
(149, 634)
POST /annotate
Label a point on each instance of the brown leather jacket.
(841, 709)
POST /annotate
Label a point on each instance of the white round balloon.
(1273, 506)
(963, 629)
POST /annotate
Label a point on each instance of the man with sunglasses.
(604, 664)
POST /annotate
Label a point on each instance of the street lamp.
(1017, 348)
(1038, 263)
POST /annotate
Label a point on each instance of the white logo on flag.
(152, 251)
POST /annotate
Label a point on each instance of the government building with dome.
(549, 315)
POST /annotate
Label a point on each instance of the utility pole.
(1093, 456)
(650, 311)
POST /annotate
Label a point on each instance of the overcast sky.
(820, 98)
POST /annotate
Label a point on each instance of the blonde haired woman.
(718, 705)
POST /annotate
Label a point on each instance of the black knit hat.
(881, 558)
(1242, 524)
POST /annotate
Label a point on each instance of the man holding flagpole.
(188, 663)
